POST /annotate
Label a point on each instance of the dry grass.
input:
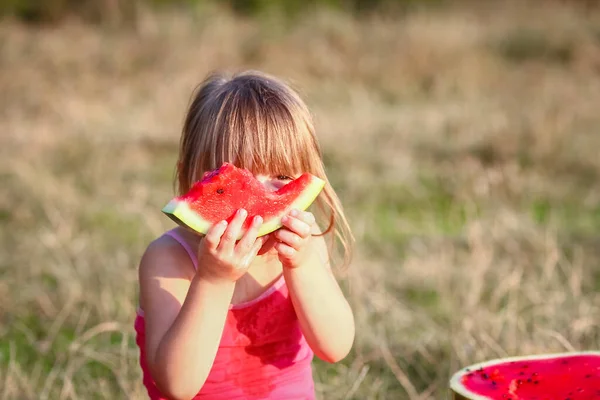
(464, 143)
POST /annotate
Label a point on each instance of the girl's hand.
(293, 237)
(220, 257)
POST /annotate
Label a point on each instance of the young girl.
(227, 319)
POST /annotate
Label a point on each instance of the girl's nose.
(270, 183)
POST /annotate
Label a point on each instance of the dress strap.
(185, 245)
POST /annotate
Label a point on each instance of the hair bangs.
(262, 135)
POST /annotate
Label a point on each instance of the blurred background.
(462, 136)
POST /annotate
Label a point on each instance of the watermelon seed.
(564, 362)
(534, 374)
(220, 190)
(521, 373)
(529, 380)
(588, 376)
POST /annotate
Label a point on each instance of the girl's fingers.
(285, 250)
(233, 230)
(247, 257)
(258, 244)
(303, 216)
(289, 238)
(249, 237)
(296, 225)
(213, 236)
(307, 217)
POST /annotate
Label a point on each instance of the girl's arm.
(184, 322)
(185, 312)
(325, 316)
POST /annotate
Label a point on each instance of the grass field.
(464, 142)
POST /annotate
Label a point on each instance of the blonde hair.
(257, 122)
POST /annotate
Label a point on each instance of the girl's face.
(274, 182)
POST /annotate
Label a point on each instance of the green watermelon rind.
(459, 392)
(183, 215)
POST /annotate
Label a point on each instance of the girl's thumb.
(258, 244)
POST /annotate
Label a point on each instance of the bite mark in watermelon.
(573, 376)
(220, 193)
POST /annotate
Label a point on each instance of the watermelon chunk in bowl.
(560, 376)
(220, 193)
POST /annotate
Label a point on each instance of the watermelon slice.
(223, 191)
(573, 376)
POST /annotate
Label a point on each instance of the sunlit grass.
(464, 149)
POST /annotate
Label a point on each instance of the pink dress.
(262, 354)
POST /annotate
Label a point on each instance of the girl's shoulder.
(165, 273)
(169, 254)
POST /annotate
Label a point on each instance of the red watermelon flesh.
(223, 191)
(573, 376)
